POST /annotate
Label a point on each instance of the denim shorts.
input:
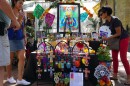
(4, 50)
(16, 45)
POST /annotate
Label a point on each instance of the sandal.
(127, 83)
(113, 78)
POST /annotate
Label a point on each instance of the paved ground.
(119, 82)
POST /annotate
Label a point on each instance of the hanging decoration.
(49, 18)
(54, 4)
(83, 16)
(38, 11)
(96, 8)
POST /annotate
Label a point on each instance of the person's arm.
(117, 34)
(25, 37)
(6, 8)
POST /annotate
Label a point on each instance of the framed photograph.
(68, 18)
(94, 35)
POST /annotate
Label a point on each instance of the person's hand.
(16, 25)
(25, 41)
(104, 38)
(21, 16)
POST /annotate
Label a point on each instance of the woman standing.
(17, 44)
(117, 31)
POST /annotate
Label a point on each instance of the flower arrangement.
(103, 53)
(103, 76)
(104, 81)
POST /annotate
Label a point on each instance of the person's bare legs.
(9, 67)
(21, 63)
(1, 75)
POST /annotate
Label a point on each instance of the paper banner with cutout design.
(38, 11)
(96, 8)
(49, 18)
(83, 16)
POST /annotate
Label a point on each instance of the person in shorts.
(17, 40)
(6, 14)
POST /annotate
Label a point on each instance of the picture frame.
(94, 35)
(68, 17)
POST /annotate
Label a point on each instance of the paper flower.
(103, 75)
(80, 45)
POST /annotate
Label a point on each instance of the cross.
(39, 75)
(51, 71)
(39, 71)
(86, 72)
(39, 57)
(74, 69)
(39, 62)
(51, 56)
(45, 68)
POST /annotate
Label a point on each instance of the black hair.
(14, 2)
(107, 10)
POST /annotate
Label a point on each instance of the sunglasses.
(100, 14)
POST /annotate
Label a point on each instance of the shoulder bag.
(2, 28)
(113, 43)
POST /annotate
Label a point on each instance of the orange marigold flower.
(101, 45)
(102, 83)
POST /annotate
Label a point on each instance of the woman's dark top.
(113, 24)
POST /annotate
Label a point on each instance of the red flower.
(80, 45)
(105, 79)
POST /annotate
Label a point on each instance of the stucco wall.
(121, 9)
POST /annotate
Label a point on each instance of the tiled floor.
(119, 82)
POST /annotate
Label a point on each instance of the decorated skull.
(102, 73)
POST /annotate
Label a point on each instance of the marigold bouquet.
(103, 53)
(104, 81)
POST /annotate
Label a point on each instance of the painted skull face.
(68, 11)
(102, 73)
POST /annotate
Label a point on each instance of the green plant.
(103, 53)
(47, 28)
(30, 31)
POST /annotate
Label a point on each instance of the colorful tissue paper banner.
(83, 16)
(49, 18)
(38, 11)
(96, 8)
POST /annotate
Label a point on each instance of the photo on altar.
(94, 35)
(68, 17)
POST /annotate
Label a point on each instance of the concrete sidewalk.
(121, 74)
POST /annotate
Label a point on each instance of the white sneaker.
(11, 80)
(23, 82)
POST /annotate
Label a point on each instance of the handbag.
(113, 43)
(2, 28)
